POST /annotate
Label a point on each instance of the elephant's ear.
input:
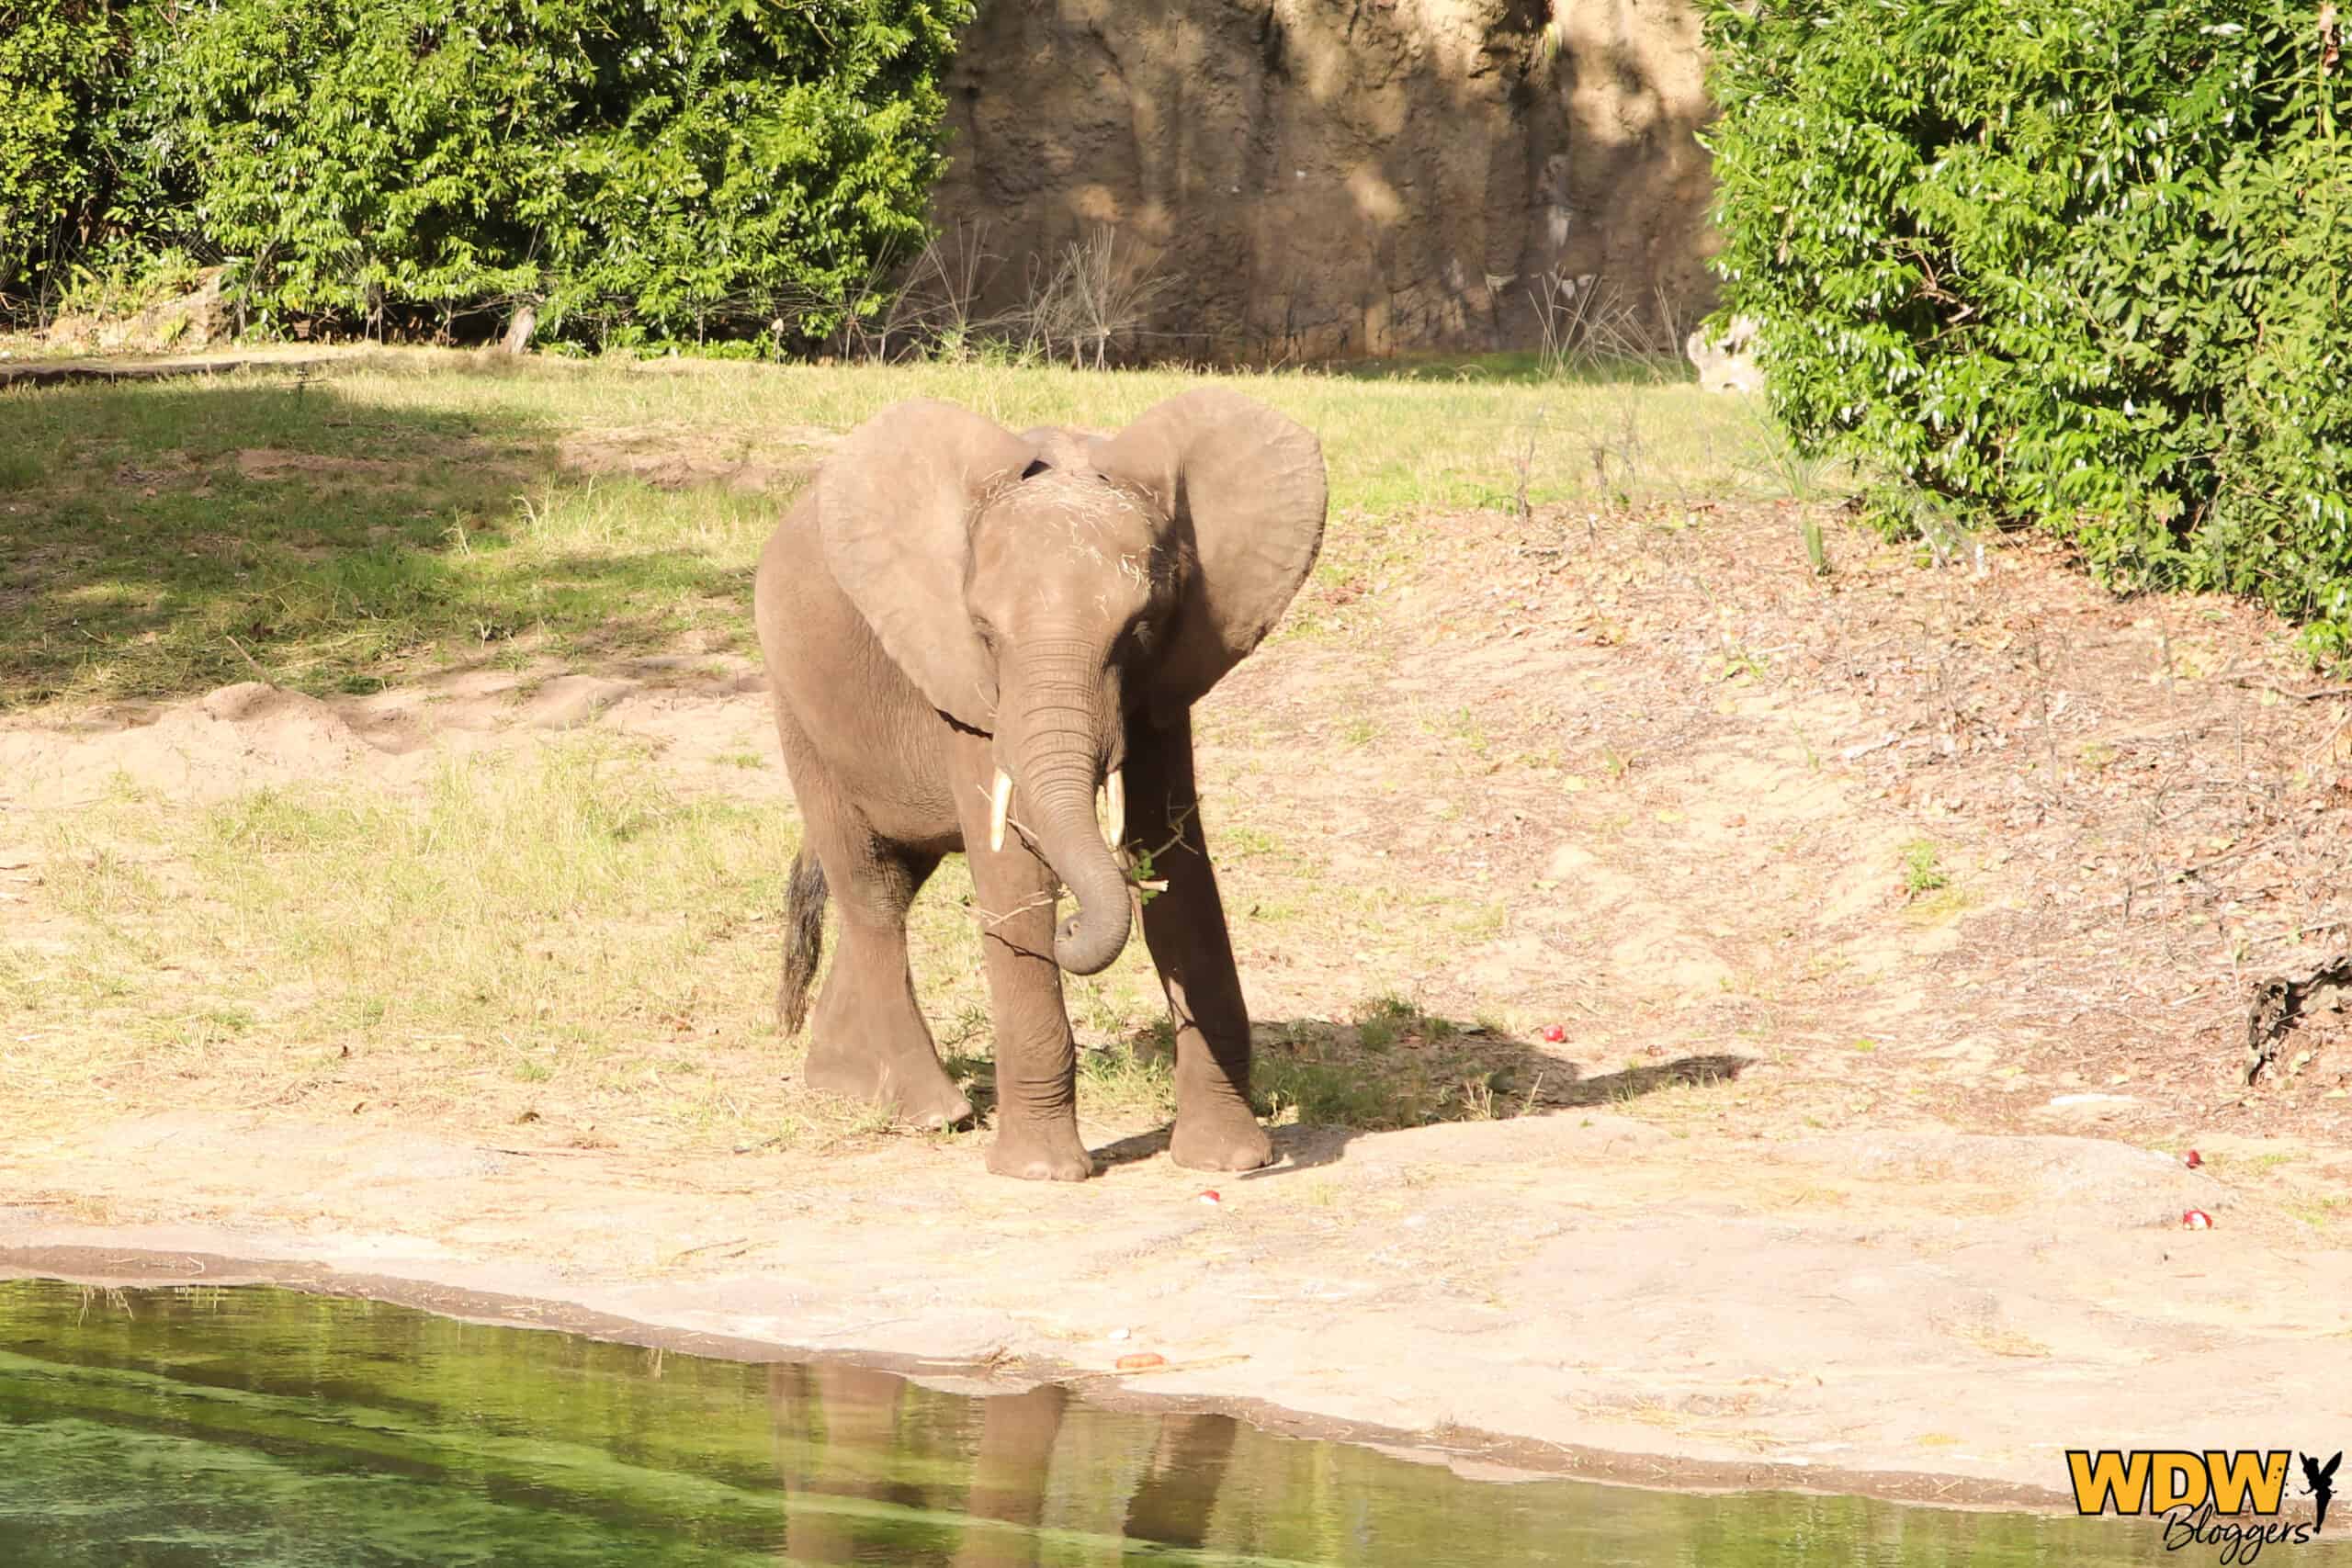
(1244, 489)
(895, 502)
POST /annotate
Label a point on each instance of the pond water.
(191, 1427)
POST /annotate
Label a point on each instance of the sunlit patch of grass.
(563, 923)
(2320, 1212)
(1483, 924)
(1133, 1079)
(151, 563)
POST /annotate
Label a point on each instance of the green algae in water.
(196, 1428)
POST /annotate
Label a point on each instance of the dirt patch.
(236, 738)
(671, 458)
(1969, 841)
(264, 462)
(694, 711)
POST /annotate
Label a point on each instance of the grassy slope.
(166, 538)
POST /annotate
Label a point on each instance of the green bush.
(2084, 264)
(74, 180)
(636, 169)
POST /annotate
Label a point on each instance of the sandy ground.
(1929, 1314)
(1906, 1216)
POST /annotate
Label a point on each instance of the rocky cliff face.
(1320, 180)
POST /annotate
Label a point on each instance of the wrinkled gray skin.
(950, 601)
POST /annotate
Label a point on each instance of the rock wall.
(1320, 180)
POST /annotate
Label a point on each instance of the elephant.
(977, 640)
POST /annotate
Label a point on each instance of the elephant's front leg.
(1184, 926)
(1036, 1059)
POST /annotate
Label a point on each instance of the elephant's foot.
(1041, 1150)
(915, 1087)
(1225, 1137)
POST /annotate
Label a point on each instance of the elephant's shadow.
(1327, 1084)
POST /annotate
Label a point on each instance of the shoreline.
(1492, 1457)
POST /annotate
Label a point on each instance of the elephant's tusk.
(999, 801)
(1115, 809)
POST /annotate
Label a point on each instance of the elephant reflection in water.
(851, 1433)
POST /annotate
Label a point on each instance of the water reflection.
(849, 1433)
(266, 1429)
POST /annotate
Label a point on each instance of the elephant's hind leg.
(868, 1038)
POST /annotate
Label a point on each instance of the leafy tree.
(633, 168)
(74, 174)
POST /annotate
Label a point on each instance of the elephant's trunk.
(1061, 764)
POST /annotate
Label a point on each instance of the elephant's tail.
(804, 941)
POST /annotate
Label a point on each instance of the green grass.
(1397, 1065)
(1923, 871)
(414, 511)
(1525, 367)
(2320, 1214)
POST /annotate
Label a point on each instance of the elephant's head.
(1041, 588)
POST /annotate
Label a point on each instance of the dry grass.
(1997, 1340)
(562, 938)
(552, 937)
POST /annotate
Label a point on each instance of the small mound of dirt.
(268, 463)
(232, 739)
(708, 717)
(778, 461)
